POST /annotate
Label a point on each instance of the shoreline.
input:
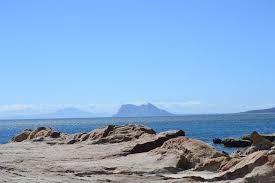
(129, 153)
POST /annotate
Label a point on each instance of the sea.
(202, 127)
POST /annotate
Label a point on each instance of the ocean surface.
(203, 127)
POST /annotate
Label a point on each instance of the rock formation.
(130, 153)
(263, 140)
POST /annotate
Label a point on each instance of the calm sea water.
(203, 127)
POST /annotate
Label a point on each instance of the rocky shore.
(131, 153)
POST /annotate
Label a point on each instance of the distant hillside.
(270, 110)
(63, 113)
(69, 113)
(146, 110)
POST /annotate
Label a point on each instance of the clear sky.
(186, 56)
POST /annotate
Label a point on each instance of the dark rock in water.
(259, 142)
(236, 143)
(246, 137)
(269, 137)
(217, 141)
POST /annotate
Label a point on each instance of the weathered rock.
(117, 134)
(40, 132)
(84, 137)
(245, 166)
(156, 141)
(271, 160)
(78, 137)
(22, 136)
(271, 152)
(213, 164)
(260, 142)
(36, 134)
(166, 157)
(248, 150)
(260, 174)
(228, 163)
(236, 143)
(191, 152)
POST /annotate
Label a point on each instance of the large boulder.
(260, 142)
(245, 166)
(22, 136)
(212, 164)
(39, 132)
(117, 134)
(190, 152)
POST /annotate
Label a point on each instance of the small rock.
(217, 141)
(236, 143)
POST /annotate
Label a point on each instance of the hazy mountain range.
(128, 110)
(70, 112)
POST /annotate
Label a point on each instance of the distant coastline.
(125, 111)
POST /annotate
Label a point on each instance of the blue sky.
(185, 56)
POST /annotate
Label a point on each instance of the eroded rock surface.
(129, 153)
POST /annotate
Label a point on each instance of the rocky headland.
(131, 153)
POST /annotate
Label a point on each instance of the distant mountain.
(69, 113)
(270, 110)
(62, 113)
(146, 110)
